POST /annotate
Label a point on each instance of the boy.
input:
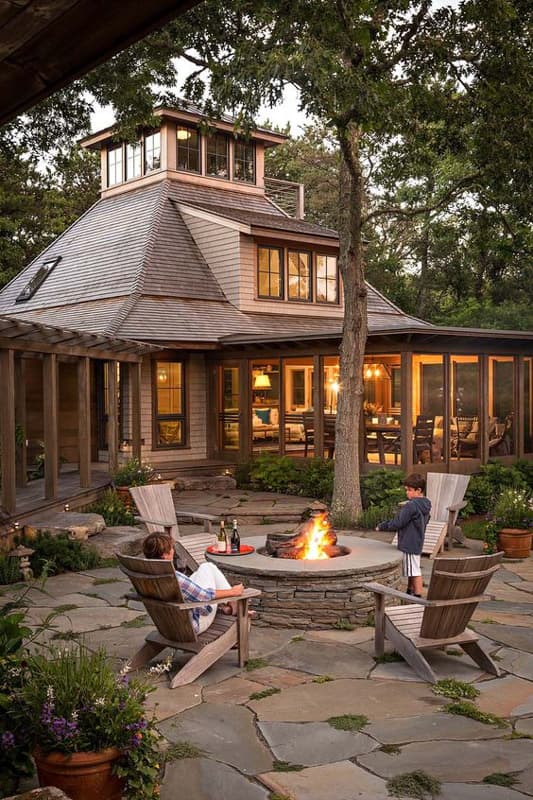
(411, 525)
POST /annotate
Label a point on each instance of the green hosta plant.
(134, 473)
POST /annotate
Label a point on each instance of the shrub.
(316, 479)
(243, 474)
(486, 486)
(513, 509)
(383, 488)
(113, 509)
(9, 570)
(370, 517)
(274, 473)
(55, 554)
(133, 473)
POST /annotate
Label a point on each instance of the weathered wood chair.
(157, 587)
(446, 493)
(455, 589)
(156, 508)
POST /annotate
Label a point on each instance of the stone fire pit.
(314, 594)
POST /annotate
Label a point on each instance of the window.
(217, 155)
(169, 423)
(152, 152)
(244, 162)
(114, 165)
(269, 272)
(326, 279)
(299, 275)
(38, 279)
(133, 160)
(188, 149)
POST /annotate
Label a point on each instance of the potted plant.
(132, 473)
(87, 726)
(512, 518)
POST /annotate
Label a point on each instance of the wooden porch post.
(281, 411)
(407, 411)
(135, 387)
(483, 408)
(84, 420)
(318, 405)
(519, 405)
(50, 420)
(112, 421)
(7, 430)
(20, 419)
(446, 424)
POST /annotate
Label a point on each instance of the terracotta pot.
(82, 776)
(124, 494)
(515, 542)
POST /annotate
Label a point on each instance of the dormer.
(185, 147)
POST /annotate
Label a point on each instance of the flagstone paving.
(247, 745)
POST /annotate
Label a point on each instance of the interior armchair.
(466, 438)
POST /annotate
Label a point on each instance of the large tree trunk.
(346, 503)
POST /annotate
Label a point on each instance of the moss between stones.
(417, 784)
(349, 722)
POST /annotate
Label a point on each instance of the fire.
(317, 538)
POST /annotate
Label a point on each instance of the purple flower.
(8, 740)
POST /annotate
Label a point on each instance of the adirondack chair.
(157, 587)
(157, 511)
(455, 589)
(446, 493)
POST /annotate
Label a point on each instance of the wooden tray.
(245, 550)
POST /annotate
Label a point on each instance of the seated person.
(206, 583)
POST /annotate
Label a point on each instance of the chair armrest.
(246, 595)
(457, 506)
(378, 588)
(183, 512)
(155, 522)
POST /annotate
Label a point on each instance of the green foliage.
(316, 479)
(490, 538)
(382, 487)
(349, 722)
(388, 658)
(286, 766)
(322, 679)
(113, 509)
(55, 554)
(449, 687)
(513, 509)
(278, 796)
(133, 473)
(500, 779)
(72, 701)
(9, 570)
(343, 625)
(390, 749)
(274, 473)
(179, 750)
(417, 784)
(264, 693)
(466, 709)
(242, 474)
(255, 663)
(369, 518)
(485, 487)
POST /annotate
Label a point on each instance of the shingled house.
(186, 249)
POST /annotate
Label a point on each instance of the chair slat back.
(155, 502)
(456, 579)
(444, 490)
(156, 583)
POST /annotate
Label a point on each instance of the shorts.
(411, 565)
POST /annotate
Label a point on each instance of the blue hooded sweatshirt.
(410, 523)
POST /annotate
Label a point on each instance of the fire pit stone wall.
(315, 594)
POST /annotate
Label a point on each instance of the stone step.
(74, 524)
(209, 483)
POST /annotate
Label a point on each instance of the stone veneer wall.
(314, 600)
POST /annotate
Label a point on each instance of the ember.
(315, 540)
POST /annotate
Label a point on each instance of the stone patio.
(282, 746)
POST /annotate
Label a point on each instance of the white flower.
(74, 716)
(163, 666)
(100, 701)
(125, 669)
(50, 694)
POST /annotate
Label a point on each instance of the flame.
(319, 536)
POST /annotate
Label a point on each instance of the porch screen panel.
(465, 408)
(528, 405)
(298, 376)
(170, 404)
(428, 406)
(265, 385)
(229, 428)
(381, 409)
(502, 416)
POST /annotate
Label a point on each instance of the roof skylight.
(38, 279)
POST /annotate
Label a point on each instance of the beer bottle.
(221, 537)
(235, 538)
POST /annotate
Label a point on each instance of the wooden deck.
(31, 500)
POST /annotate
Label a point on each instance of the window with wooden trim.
(327, 282)
(188, 149)
(133, 160)
(244, 161)
(299, 275)
(217, 155)
(152, 151)
(270, 272)
(169, 405)
(114, 165)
